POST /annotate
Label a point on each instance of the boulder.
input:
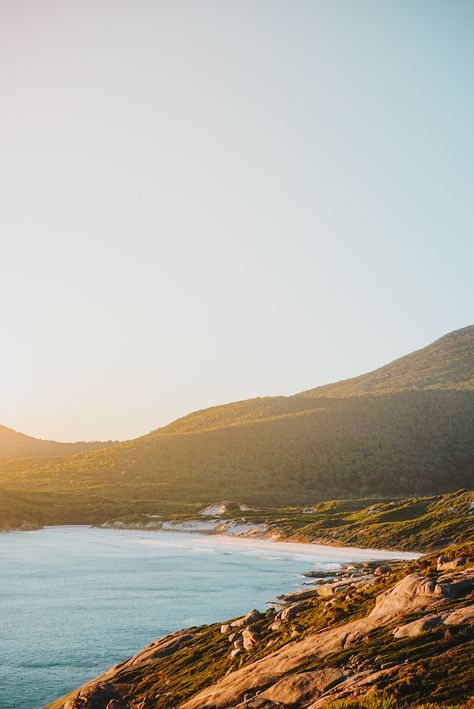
(417, 591)
(299, 688)
(250, 637)
(303, 595)
(297, 629)
(442, 559)
(76, 703)
(251, 617)
(461, 616)
(445, 565)
(417, 627)
(456, 585)
(98, 696)
(328, 589)
(225, 628)
(381, 570)
(322, 591)
(291, 611)
(411, 592)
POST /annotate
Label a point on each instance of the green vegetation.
(372, 701)
(396, 445)
(415, 523)
(381, 700)
(409, 430)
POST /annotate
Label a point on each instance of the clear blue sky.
(208, 201)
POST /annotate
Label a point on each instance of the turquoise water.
(75, 601)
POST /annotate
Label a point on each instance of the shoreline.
(344, 570)
(262, 536)
(311, 551)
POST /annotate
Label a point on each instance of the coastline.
(305, 550)
(260, 541)
(256, 533)
(350, 581)
(345, 583)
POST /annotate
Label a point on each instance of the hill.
(17, 445)
(407, 429)
(447, 364)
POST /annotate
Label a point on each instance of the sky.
(206, 201)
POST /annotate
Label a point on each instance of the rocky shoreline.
(325, 585)
(361, 628)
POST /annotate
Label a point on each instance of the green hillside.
(17, 445)
(448, 363)
(238, 412)
(417, 440)
(445, 365)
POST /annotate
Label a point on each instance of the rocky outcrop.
(302, 687)
(461, 616)
(242, 632)
(417, 591)
(105, 693)
(102, 695)
(250, 636)
(251, 617)
(417, 627)
(445, 564)
(413, 593)
(277, 659)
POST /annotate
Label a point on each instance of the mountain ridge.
(450, 352)
(240, 411)
(266, 407)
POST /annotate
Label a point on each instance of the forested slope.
(278, 451)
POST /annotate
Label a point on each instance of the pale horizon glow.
(207, 202)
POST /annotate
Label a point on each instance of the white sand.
(310, 552)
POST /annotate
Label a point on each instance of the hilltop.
(405, 429)
(18, 445)
(446, 364)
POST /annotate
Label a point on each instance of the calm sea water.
(75, 601)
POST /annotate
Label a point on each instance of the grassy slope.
(423, 523)
(276, 451)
